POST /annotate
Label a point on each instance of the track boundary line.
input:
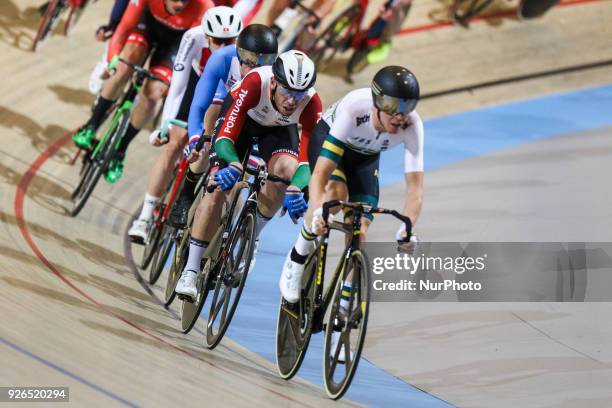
(20, 194)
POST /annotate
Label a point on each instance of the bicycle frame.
(321, 300)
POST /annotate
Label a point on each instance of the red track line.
(508, 13)
(20, 195)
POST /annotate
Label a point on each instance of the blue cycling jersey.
(222, 66)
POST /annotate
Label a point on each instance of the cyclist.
(346, 147)
(228, 66)
(220, 26)
(145, 22)
(264, 108)
(380, 36)
(345, 151)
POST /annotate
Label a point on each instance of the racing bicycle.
(229, 256)
(344, 33)
(461, 11)
(51, 13)
(298, 321)
(98, 160)
(291, 23)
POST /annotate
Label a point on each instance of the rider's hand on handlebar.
(294, 203)
(156, 140)
(228, 176)
(318, 225)
(406, 245)
(190, 152)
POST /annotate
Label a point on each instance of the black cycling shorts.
(271, 140)
(166, 42)
(357, 170)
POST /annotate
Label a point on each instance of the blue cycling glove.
(228, 176)
(294, 203)
(193, 141)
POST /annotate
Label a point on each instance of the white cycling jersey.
(192, 54)
(350, 122)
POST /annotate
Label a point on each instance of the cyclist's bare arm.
(414, 195)
(316, 188)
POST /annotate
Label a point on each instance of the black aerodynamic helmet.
(395, 90)
(257, 45)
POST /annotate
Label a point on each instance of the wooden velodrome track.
(73, 313)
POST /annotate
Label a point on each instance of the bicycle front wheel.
(48, 22)
(231, 279)
(294, 324)
(346, 326)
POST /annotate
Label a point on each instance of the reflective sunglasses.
(394, 106)
(289, 93)
(222, 41)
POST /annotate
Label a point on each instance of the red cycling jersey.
(191, 16)
(253, 97)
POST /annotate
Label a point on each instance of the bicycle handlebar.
(254, 172)
(368, 209)
(171, 122)
(112, 65)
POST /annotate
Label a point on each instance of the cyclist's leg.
(208, 214)
(178, 217)
(276, 8)
(362, 182)
(134, 52)
(279, 150)
(293, 266)
(396, 17)
(152, 92)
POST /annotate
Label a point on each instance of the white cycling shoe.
(335, 338)
(139, 232)
(291, 280)
(186, 286)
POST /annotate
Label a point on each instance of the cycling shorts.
(357, 170)
(151, 34)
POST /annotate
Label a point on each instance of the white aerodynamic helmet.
(221, 22)
(294, 70)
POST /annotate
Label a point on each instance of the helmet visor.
(254, 59)
(392, 105)
(289, 93)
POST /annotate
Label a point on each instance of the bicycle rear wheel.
(535, 8)
(461, 11)
(233, 275)
(48, 22)
(294, 325)
(336, 37)
(350, 326)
